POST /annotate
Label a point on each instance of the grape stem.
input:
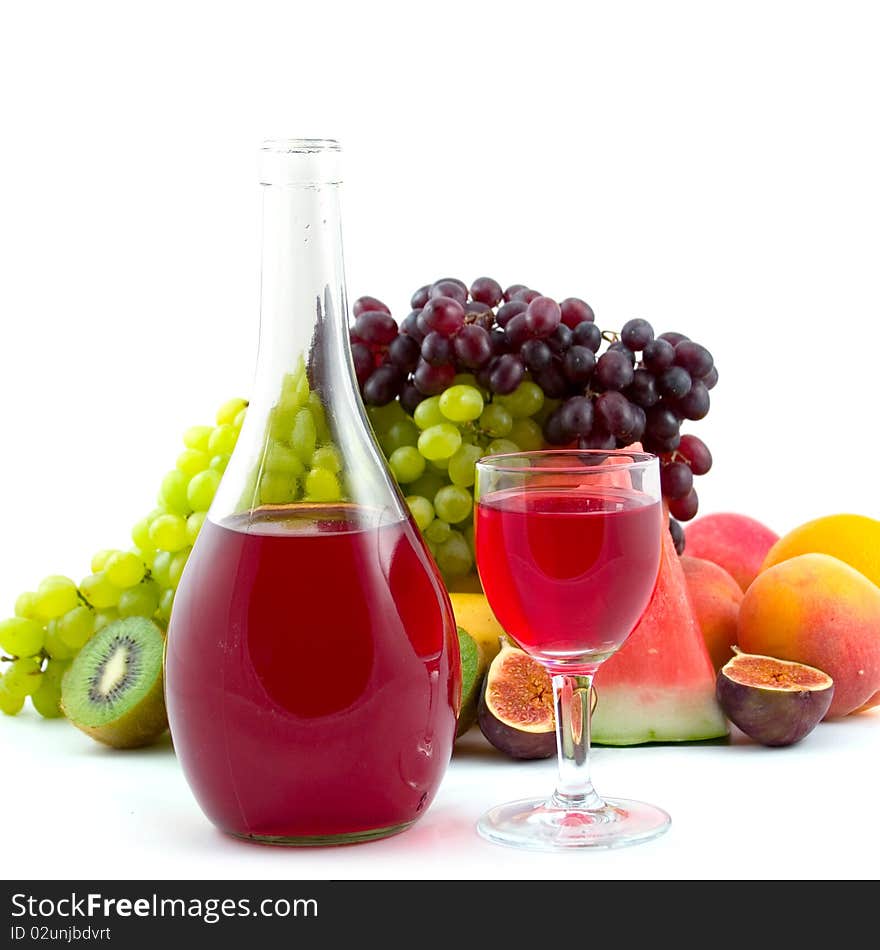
(610, 336)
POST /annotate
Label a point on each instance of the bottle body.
(312, 675)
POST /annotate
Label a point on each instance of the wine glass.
(568, 551)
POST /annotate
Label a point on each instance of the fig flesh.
(775, 702)
(516, 706)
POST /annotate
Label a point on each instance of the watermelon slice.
(660, 685)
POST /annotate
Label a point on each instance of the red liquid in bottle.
(568, 572)
(308, 688)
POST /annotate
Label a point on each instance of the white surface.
(712, 167)
(738, 811)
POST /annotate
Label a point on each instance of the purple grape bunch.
(602, 390)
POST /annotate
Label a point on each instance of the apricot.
(716, 597)
(735, 542)
(854, 539)
(815, 609)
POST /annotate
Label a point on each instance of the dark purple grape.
(554, 431)
(431, 380)
(658, 355)
(661, 423)
(410, 397)
(676, 479)
(613, 370)
(500, 343)
(613, 412)
(364, 364)
(576, 417)
(517, 331)
(695, 405)
(543, 316)
(451, 280)
(375, 327)
(422, 324)
(711, 379)
(560, 339)
(474, 306)
(436, 349)
(452, 289)
(382, 386)
(619, 347)
(637, 334)
(420, 297)
(662, 446)
(472, 346)
(674, 382)
(696, 359)
(578, 365)
(695, 451)
(410, 326)
(506, 375)
(527, 295)
(444, 315)
(637, 429)
(576, 311)
(536, 355)
(512, 290)
(508, 310)
(552, 381)
(683, 509)
(487, 291)
(598, 439)
(643, 389)
(404, 353)
(672, 337)
(369, 305)
(587, 334)
(482, 374)
(677, 532)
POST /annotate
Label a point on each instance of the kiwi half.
(113, 689)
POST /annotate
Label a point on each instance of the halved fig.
(775, 702)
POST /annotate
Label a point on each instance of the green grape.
(218, 463)
(161, 565)
(99, 592)
(47, 698)
(440, 441)
(428, 413)
(168, 533)
(280, 424)
(54, 645)
(101, 558)
(21, 637)
(496, 421)
(321, 427)
(76, 627)
(327, 456)
(453, 556)
(440, 465)
(10, 705)
(304, 435)
(301, 389)
(468, 532)
(25, 605)
(173, 493)
(23, 676)
(468, 379)
(461, 466)
(194, 525)
(461, 403)
(427, 486)
(140, 535)
(124, 569)
(438, 531)
(406, 464)
(202, 489)
(453, 504)
(404, 432)
(422, 510)
(278, 488)
(527, 435)
(383, 417)
(104, 618)
(501, 447)
(197, 437)
(280, 458)
(526, 400)
(222, 440)
(55, 596)
(192, 461)
(322, 485)
(175, 569)
(166, 601)
(141, 601)
(229, 410)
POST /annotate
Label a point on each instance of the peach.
(716, 597)
(815, 609)
(737, 543)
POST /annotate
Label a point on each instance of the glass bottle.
(312, 673)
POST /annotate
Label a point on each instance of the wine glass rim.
(502, 461)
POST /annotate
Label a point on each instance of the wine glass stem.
(571, 697)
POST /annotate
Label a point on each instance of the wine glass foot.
(542, 825)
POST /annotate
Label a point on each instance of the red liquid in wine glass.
(305, 675)
(568, 572)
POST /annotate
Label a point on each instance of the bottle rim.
(300, 146)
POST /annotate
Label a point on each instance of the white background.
(710, 166)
